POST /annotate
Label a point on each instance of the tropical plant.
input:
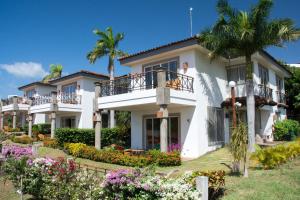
(107, 45)
(55, 72)
(243, 33)
(292, 86)
(238, 146)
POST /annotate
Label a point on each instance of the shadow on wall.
(211, 89)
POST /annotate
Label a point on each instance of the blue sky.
(35, 34)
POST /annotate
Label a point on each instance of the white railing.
(67, 98)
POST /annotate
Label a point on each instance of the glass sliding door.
(152, 131)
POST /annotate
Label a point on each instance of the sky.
(37, 33)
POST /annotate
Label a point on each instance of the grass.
(276, 184)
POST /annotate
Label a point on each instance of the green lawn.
(278, 184)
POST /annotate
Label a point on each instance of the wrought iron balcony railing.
(281, 97)
(263, 91)
(10, 101)
(67, 98)
(144, 81)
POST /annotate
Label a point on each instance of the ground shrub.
(216, 182)
(48, 142)
(272, 157)
(44, 128)
(118, 157)
(87, 136)
(23, 139)
(286, 130)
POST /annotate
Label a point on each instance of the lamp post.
(232, 85)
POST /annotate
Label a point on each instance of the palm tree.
(55, 72)
(240, 33)
(107, 45)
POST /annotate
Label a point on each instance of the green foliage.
(119, 157)
(272, 157)
(55, 72)
(106, 45)
(238, 143)
(87, 136)
(286, 130)
(242, 33)
(292, 86)
(44, 128)
(216, 182)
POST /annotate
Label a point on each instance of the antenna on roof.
(191, 21)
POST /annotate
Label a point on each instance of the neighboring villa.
(188, 102)
(66, 101)
(175, 94)
(294, 65)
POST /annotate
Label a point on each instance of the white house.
(65, 102)
(18, 107)
(176, 95)
(295, 65)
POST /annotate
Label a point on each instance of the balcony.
(14, 103)
(145, 81)
(138, 91)
(262, 93)
(65, 102)
(281, 99)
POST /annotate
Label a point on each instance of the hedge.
(87, 136)
(153, 157)
(286, 130)
(272, 157)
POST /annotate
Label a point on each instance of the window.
(279, 83)
(151, 75)
(236, 73)
(152, 131)
(263, 75)
(215, 126)
(69, 89)
(30, 93)
(68, 122)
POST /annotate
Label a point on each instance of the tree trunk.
(111, 69)
(250, 110)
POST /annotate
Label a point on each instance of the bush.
(44, 129)
(87, 136)
(23, 139)
(118, 157)
(52, 143)
(216, 182)
(286, 130)
(272, 157)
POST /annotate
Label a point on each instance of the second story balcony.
(140, 89)
(145, 81)
(14, 103)
(263, 94)
(69, 102)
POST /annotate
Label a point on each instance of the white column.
(98, 128)
(53, 121)
(164, 129)
(14, 119)
(30, 125)
(1, 121)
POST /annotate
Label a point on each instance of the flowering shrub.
(174, 147)
(118, 157)
(16, 151)
(137, 184)
(216, 182)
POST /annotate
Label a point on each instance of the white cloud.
(25, 69)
